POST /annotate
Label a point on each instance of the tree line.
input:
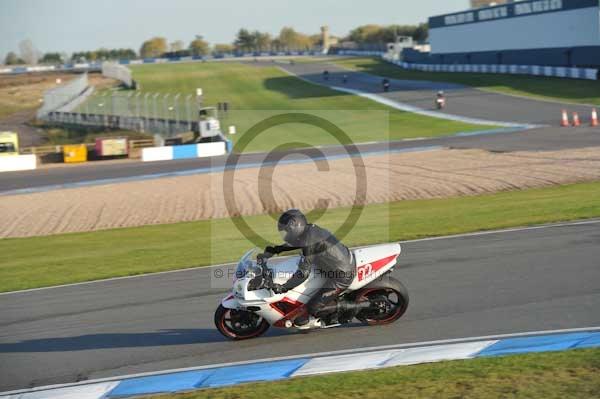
(246, 40)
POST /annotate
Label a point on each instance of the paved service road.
(488, 284)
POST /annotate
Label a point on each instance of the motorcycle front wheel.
(239, 324)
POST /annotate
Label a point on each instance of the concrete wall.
(536, 70)
(588, 56)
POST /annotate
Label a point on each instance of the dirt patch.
(408, 176)
(21, 96)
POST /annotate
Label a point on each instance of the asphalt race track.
(503, 282)
(485, 284)
(547, 139)
(461, 100)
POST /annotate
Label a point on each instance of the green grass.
(570, 374)
(249, 88)
(70, 258)
(569, 90)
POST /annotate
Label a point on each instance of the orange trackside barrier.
(576, 121)
(565, 119)
(594, 120)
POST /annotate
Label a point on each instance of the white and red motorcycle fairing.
(440, 103)
(375, 296)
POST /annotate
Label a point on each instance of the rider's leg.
(325, 303)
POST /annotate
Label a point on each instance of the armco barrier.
(186, 151)
(11, 163)
(277, 369)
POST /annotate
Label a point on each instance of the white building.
(540, 29)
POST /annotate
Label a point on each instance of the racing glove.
(270, 251)
(279, 289)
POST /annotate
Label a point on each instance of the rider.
(321, 249)
(440, 99)
(386, 84)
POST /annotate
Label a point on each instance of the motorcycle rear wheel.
(239, 324)
(388, 303)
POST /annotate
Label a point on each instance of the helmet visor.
(283, 234)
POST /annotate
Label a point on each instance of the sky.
(75, 25)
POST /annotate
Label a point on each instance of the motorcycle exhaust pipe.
(353, 306)
(343, 306)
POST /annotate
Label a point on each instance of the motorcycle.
(374, 296)
(386, 85)
(440, 102)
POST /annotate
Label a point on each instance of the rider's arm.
(281, 248)
(299, 276)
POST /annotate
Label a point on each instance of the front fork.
(230, 302)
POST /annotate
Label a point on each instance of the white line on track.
(449, 237)
(315, 354)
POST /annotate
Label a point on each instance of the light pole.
(176, 105)
(166, 113)
(155, 108)
(128, 105)
(137, 110)
(146, 108)
(188, 107)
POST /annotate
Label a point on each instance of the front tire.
(389, 302)
(239, 324)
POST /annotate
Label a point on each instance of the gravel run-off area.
(391, 177)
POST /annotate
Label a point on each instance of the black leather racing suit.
(331, 259)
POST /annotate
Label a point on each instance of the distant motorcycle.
(374, 297)
(326, 75)
(386, 85)
(440, 100)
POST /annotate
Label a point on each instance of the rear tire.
(239, 324)
(389, 301)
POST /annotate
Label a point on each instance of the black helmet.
(291, 225)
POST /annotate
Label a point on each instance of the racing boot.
(308, 323)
